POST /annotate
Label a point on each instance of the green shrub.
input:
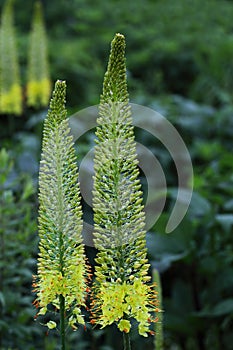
(17, 244)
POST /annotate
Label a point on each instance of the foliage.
(38, 81)
(10, 89)
(173, 47)
(17, 241)
(196, 260)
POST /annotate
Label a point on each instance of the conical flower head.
(38, 80)
(61, 263)
(121, 289)
(10, 89)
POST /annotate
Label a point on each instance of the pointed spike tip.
(60, 90)
(118, 39)
(120, 36)
(57, 111)
(59, 81)
(115, 86)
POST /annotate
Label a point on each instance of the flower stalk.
(38, 80)
(10, 89)
(158, 325)
(126, 341)
(61, 281)
(121, 290)
(62, 321)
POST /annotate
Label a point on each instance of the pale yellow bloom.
(118, 302)
(38, 92)
(11, 100)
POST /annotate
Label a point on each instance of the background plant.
(172, 56)
(38, 80)
(10, 89)
(17, 242)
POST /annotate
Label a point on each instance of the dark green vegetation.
(179, 60)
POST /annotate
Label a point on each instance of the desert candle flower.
(121, 290)
(60, 283)
(38, 80)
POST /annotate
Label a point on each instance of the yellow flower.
(51, 324)
(72, 286)
(115, 301)
(124, 326)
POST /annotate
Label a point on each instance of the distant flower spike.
(10, 89)
(121, 290)
(38, 81)
(62, 269)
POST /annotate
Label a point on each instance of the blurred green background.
(180, 63)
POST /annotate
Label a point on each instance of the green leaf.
(225, 220)
(224, 307)
(199, 206)
(2, 299)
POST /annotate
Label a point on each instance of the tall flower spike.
(38, 81)
(121, 288)
(10, 89)
(62, 271)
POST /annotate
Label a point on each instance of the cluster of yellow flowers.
(121, 302)
(38, 92)
(52, 284)
(38, 88)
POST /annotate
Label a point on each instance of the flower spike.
(38, 80)
(62, 269)
(10, 88)
(121, 291)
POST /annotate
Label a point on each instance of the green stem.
(62, 321)
(126, 340)
(61, 243)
